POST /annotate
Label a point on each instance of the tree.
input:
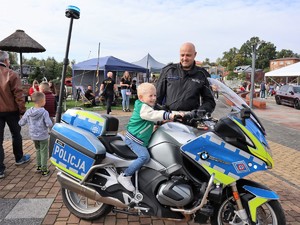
(49, 69)
(228, 59)
(13, 56)
(286, 53)
(206, 61)
(232, 75)
(265, 52)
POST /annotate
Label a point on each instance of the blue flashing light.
(75, 8)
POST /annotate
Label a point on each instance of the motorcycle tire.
(83, 207)
(269, 213)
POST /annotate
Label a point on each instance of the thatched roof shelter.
(20, 42)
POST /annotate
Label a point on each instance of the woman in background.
(125, 91)
(53, 90)
(34, 87)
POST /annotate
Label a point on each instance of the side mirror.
(245, 114)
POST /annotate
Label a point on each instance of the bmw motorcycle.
(196, 173)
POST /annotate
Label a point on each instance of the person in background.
(140, 128)
(12, 106)
(271, 89)
(89, 94)
(267, 89)
(133, 89)
(50, 104)
(39, 124)
(154, 79)
(242, 89)
(34, 87)
(181, 85)
(262, 89)
(107, 89)
(125, 89)
(53, 90)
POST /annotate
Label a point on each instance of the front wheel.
(270, 213)
(84, 207)
(297, 103)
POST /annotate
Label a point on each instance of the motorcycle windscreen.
(74, 150)
(226, 161)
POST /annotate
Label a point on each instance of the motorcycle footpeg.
(132, 204)
(201, 218)
(207, 210)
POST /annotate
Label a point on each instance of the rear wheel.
(297, 104)
(84, 207)
(277, 99)
(270, 213)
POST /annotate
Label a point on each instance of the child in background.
(39, 124)
(51, 104)
(140, 128)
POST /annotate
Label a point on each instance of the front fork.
(241, 212)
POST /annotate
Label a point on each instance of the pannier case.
(74, 150)
(99, 125)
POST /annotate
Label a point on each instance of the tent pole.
(21, 66)
(148, 70)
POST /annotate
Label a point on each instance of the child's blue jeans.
(141, 152)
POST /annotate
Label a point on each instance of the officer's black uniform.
(180, 90)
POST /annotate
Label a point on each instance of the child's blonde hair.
(37, 97)
(44, 86)
(144, 88)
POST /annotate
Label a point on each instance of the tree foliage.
(265, 51)
(286, 53)
(49, 69)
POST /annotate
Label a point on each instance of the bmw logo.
(204, 155)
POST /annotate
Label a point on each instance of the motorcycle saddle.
(120, 148)
(116, 145)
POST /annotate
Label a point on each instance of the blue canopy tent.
(85, 73)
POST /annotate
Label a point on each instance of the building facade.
(279, 63)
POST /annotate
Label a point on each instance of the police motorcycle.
(196, 172)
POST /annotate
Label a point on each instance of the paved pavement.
(28, 198)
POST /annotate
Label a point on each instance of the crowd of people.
(265, 89)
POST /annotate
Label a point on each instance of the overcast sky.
(129, 29)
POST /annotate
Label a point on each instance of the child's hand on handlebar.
(177, 116)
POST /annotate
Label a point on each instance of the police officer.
(181, 85)
(107, 88)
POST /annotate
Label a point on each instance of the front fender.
(261, 194)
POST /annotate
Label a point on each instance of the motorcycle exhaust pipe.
(72, 185)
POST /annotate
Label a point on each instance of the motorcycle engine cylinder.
(173, 193)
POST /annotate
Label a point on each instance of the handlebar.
(199, 119)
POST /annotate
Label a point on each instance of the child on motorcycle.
(140, 128)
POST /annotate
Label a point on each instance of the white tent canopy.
(287, 71)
